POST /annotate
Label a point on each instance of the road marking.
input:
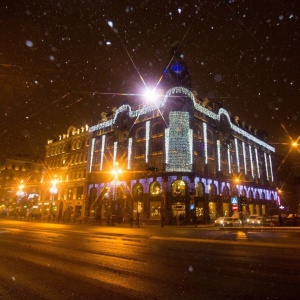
(255, 244)
(242, 235)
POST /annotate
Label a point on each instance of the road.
(59, 261)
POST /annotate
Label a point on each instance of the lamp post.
(53, 191)
(20, 194)
(116, 171)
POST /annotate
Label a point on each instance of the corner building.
(177, 158)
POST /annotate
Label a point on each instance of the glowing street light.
(53, 191)
(151, 95)
(20, 192)
(116, 171)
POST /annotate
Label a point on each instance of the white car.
(251, 219)
(219, 221)
(259, 221)
(230, 222)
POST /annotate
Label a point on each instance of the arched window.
(243, 194)
(138, 192)
(140, 133)
(256, 195)
(226, 191)
(212, 192)
(234, 191)
(110, 142)
(98, 145)
(155, 188)
(178, 188)
(198, 131)
(157, 129)
(199, 189)
(251, 195)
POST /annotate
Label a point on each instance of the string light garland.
(266, 165)
(229, 159)
(245, 158)
(182, 161)
(179, 142)
(237, 154)
(92, 154)
(129, 153)
(257, 163)
(251, 161)
(115, 154)
(271, 168)
(219, 155)
(205, 142)
(102, 151)
(147, 141)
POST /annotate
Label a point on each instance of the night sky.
(62, 63)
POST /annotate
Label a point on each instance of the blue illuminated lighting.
(177, 68)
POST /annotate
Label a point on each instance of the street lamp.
(53, 191)
(116, 171)
(20, 192)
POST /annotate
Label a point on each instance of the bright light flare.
(294, 144)
(54, 189)
(116, 171)
(150, 95)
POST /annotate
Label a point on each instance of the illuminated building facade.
(180, 156)
(63, 186)
(20, 178)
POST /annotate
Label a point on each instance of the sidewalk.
(154, 224)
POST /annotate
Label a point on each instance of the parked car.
(259, 221)
(292, 220)
(230, 222)
(272, 220)
(250, 219)
(219, 221)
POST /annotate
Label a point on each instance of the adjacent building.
(20, 178)
(64, 181)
